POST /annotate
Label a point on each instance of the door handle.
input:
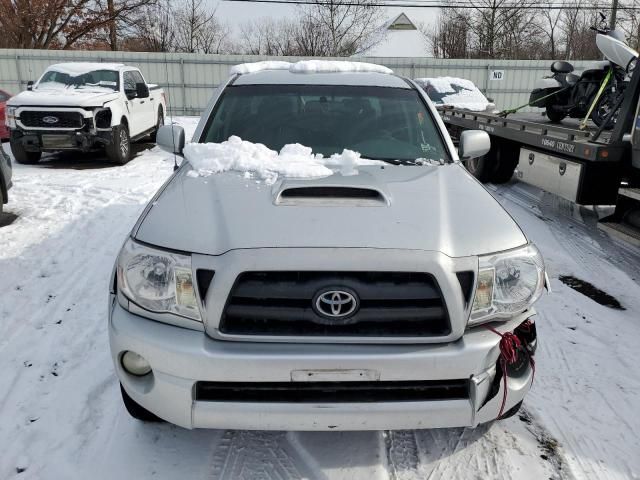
(141, 102)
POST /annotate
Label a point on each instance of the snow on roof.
(259, 66)
(456, 92)
(256, 160)
(310, 66)
(78, 68)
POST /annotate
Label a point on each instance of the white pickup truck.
(84, 106)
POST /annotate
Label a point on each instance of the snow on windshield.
(310, 66)
(257, 161)
(62, 78)
(457, 92)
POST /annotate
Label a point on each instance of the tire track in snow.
(257, 455)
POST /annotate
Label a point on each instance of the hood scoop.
(331, 195)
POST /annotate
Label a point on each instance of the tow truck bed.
(536, 131)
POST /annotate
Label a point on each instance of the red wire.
(509, 346)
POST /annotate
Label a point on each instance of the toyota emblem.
(335, 304)
(50, 119)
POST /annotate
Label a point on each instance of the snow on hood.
(310, 66)
(455, 92)
(68, 97)
(256, 160)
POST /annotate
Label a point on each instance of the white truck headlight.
(10, 117)
(508, 283)
(157, 280)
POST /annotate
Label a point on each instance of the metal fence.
(189, 79)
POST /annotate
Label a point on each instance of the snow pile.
(258, 67)
(255, 159)
(455, 92)
(330, 66)
(79, 68)
(310, 66)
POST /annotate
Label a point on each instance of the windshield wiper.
(395, 161)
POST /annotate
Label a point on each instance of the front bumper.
(181, 357)
(56, 140)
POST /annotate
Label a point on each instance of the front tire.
(22, 156)
(119, 151)
(602, 109)
(479, 168)
(554, 115)
(136, 410)
(159, 123)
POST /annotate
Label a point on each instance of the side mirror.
(130, 94)
(30, 85)
(142, 91)
(473, 144)
(170, 138)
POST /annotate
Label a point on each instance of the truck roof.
(317, 72)
(78, 68)
(285, 77)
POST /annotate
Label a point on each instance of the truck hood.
(62, 97)
(437, 208)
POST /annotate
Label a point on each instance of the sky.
(235, 14)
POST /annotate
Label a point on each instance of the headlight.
(158, 281)
(508, 283)
(631, 66)
(10, 117)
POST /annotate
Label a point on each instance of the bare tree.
(268, 36)
(198, 30)
(451, 36)
(579, 41)
(350, 27)
(154, 29)
(60, 23)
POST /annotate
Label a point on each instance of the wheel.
(159, 123)
(119, 151)
(137, 411)
(554, 115)
(497, 166)
(479, 168)
(606, 102)
(512, 411)
(23, 156)
(504, 161)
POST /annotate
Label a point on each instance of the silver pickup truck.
(398, 297)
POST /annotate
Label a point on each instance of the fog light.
(135, 364)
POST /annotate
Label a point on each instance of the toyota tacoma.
(395, 295)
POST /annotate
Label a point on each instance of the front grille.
(391, 304)
(332, 392)
(63, 119)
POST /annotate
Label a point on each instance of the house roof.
(398, 37)
(401, 22)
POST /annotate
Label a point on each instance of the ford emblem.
(50, 119)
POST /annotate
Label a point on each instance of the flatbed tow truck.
(587, 167)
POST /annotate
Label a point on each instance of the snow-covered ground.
(60, 411)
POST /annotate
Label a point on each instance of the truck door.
(140, 107)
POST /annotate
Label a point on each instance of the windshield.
(96, 79)
(389, 124)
